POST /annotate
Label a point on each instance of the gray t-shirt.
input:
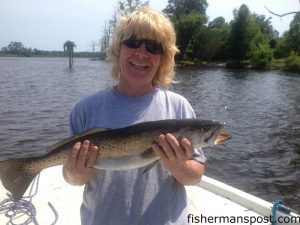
(132, 197)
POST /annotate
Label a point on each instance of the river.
(261, 110)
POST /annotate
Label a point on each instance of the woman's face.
(137, 67)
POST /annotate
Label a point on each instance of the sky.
(47, 24)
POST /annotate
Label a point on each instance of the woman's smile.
(139, 66)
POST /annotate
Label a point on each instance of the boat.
(209, 202)
(214, 202)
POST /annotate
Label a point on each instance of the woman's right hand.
(78, 169)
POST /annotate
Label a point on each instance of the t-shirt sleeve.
(76, 120)
(72, 126)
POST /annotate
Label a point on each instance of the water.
(261, 111)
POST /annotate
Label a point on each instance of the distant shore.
(57, 54)
(277, 64)
(291, 64)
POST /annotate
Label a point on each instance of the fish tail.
(15, 177)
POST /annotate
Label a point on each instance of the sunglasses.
(152, 46)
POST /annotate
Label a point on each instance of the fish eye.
(205, 129)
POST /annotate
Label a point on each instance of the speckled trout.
(120, 149)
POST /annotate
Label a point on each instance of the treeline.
(249, 40)
(15, 48)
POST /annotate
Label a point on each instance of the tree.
(176, 8)
(188, 17)
(249, 39)
(4, 49)
(217, 23)
(106, 38)
(239, 38)
(128, 6)
(15, 47)
(288, 43)
(259, 52)
(283, 48)
(123, 8)
(186, 27)
(293, 35)
(267, 28)
(209, 43)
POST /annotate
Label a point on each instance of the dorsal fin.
(70, 139)
(91, 131)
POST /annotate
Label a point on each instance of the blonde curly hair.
(146, 23)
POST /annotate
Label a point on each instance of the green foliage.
(266, 28)
(283, 47)
(128, 6)
(292, 63)
(218, 22)
(209, 43)
(187, 25)
(293, 36)
(16, 48)
(262, 57)
(289, 41)
(259, 52)
(189, 18)
(239, 38)
(177, 8)
(278, 63)
(249, 39)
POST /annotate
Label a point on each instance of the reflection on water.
(261, 111)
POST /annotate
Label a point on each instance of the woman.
(142, 53)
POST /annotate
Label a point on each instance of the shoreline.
(278, 64)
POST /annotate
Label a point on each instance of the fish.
(120, 149)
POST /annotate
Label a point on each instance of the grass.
(278, 63)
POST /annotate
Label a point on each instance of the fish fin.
(150, 166)
(15, 178)
(67, 140)
(148, 153)
(94, 130)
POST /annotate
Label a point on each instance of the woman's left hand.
(173, 151)
(176, 156)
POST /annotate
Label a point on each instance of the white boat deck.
(215, 209)
(211, 202)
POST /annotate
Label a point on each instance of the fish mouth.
(221, 138)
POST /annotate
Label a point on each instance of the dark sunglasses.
(152, 46)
